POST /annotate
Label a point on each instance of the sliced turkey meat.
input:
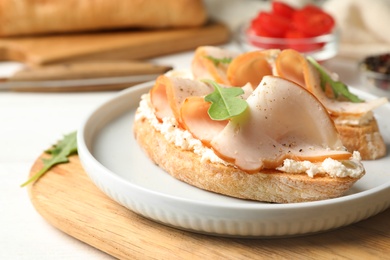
(283, 121)
(169, 93)
(211, 62)
(197, 121)
(294, 66)
(251, 67)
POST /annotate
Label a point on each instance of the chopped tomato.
(274, 24)
(285, 21)
(312, 21)
(282, 9)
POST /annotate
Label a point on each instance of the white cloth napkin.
(364, 26)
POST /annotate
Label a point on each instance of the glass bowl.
(375, 71)
(321, 48)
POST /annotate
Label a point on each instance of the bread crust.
(30, 17)
(267, 186)
(363, 138)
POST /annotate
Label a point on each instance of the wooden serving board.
(121, 44)
(68, 200)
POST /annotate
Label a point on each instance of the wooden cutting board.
(131, 44)
(68, 200)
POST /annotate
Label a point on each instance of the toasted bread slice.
(363, 138)
(267, 186)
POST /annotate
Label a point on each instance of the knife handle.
(86, 70)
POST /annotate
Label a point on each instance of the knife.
(82, 76)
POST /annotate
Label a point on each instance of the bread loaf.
(31, 17)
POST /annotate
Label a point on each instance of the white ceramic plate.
(115, 163)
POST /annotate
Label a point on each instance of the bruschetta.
(282, 148)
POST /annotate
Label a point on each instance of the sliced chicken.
(292, 65)
(283, 121)
(194, 116)
(251, 67)
(211, 63)
(159, 99)
(169, 93)
(195, 119)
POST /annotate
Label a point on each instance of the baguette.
(267, 186)
(32, 17)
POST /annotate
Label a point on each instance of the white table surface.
(32, 122)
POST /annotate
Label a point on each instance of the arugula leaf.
(224, 102)
(60, 153)
(339, 88)
(217, 61)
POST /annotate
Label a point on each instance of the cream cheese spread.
(184, 139)
(351, 168)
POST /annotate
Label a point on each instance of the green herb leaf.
(60, 153)
(225, 102)
(339, 88)
(217, 61)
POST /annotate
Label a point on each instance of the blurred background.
(36, 34)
